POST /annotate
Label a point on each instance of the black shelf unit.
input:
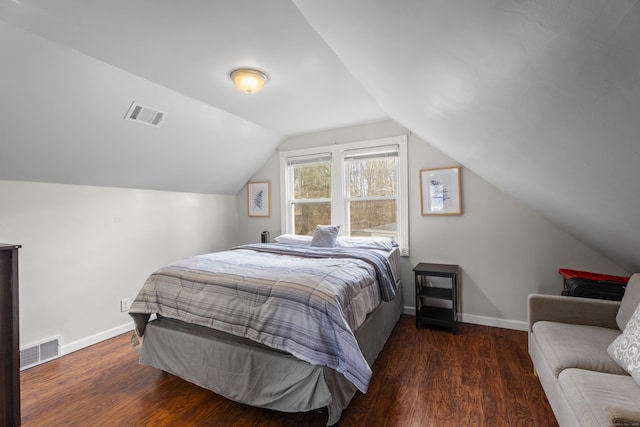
(426, 312)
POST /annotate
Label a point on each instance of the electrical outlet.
(125, 304)
(404, 252)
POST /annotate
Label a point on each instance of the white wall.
(249, 228)
(505, 250)
(86, 248)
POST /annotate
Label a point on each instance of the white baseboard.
(462, 317)
(96, 338)
(517, 325)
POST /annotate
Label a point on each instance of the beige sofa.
(571, 344)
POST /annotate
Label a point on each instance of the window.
(360, 186)
(372, 194)
(310, 192)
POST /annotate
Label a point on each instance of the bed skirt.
(247, 372)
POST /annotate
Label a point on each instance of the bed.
(285, 326)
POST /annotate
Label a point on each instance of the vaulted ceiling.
(541, 98)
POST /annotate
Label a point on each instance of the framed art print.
(259, 198)
(440, 191)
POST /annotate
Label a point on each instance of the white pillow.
(626, 348)
(384, 243)
(293, 239)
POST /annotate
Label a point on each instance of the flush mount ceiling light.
(248, 80)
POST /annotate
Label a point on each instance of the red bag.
(595, 277)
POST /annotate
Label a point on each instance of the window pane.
(312, 181)
(307, 215)
(372, 177)
(376, 218)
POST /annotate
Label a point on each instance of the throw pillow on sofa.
(629, 302)
(626, 348)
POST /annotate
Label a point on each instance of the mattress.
(305, 301)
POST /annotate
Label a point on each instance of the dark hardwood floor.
(424, 377)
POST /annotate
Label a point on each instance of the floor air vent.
(145, 115)
(39, 353)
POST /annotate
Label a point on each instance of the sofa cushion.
(597, 399)
(629, 302)
(565, 345)
(626, 348)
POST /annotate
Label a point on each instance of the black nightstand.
(428, 312)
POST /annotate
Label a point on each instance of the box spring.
(251, 373)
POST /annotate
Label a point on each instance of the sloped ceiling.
(541, 98)
(71, 69)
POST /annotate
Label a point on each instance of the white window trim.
(337, 181)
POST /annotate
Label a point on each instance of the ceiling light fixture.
(248, 80)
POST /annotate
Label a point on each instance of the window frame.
(339, 185)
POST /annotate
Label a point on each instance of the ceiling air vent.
(146, 115)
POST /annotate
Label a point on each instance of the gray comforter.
(302, 300)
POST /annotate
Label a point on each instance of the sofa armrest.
(579, 311)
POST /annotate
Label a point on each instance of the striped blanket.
(302, 300)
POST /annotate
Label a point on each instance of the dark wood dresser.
(9, 337)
